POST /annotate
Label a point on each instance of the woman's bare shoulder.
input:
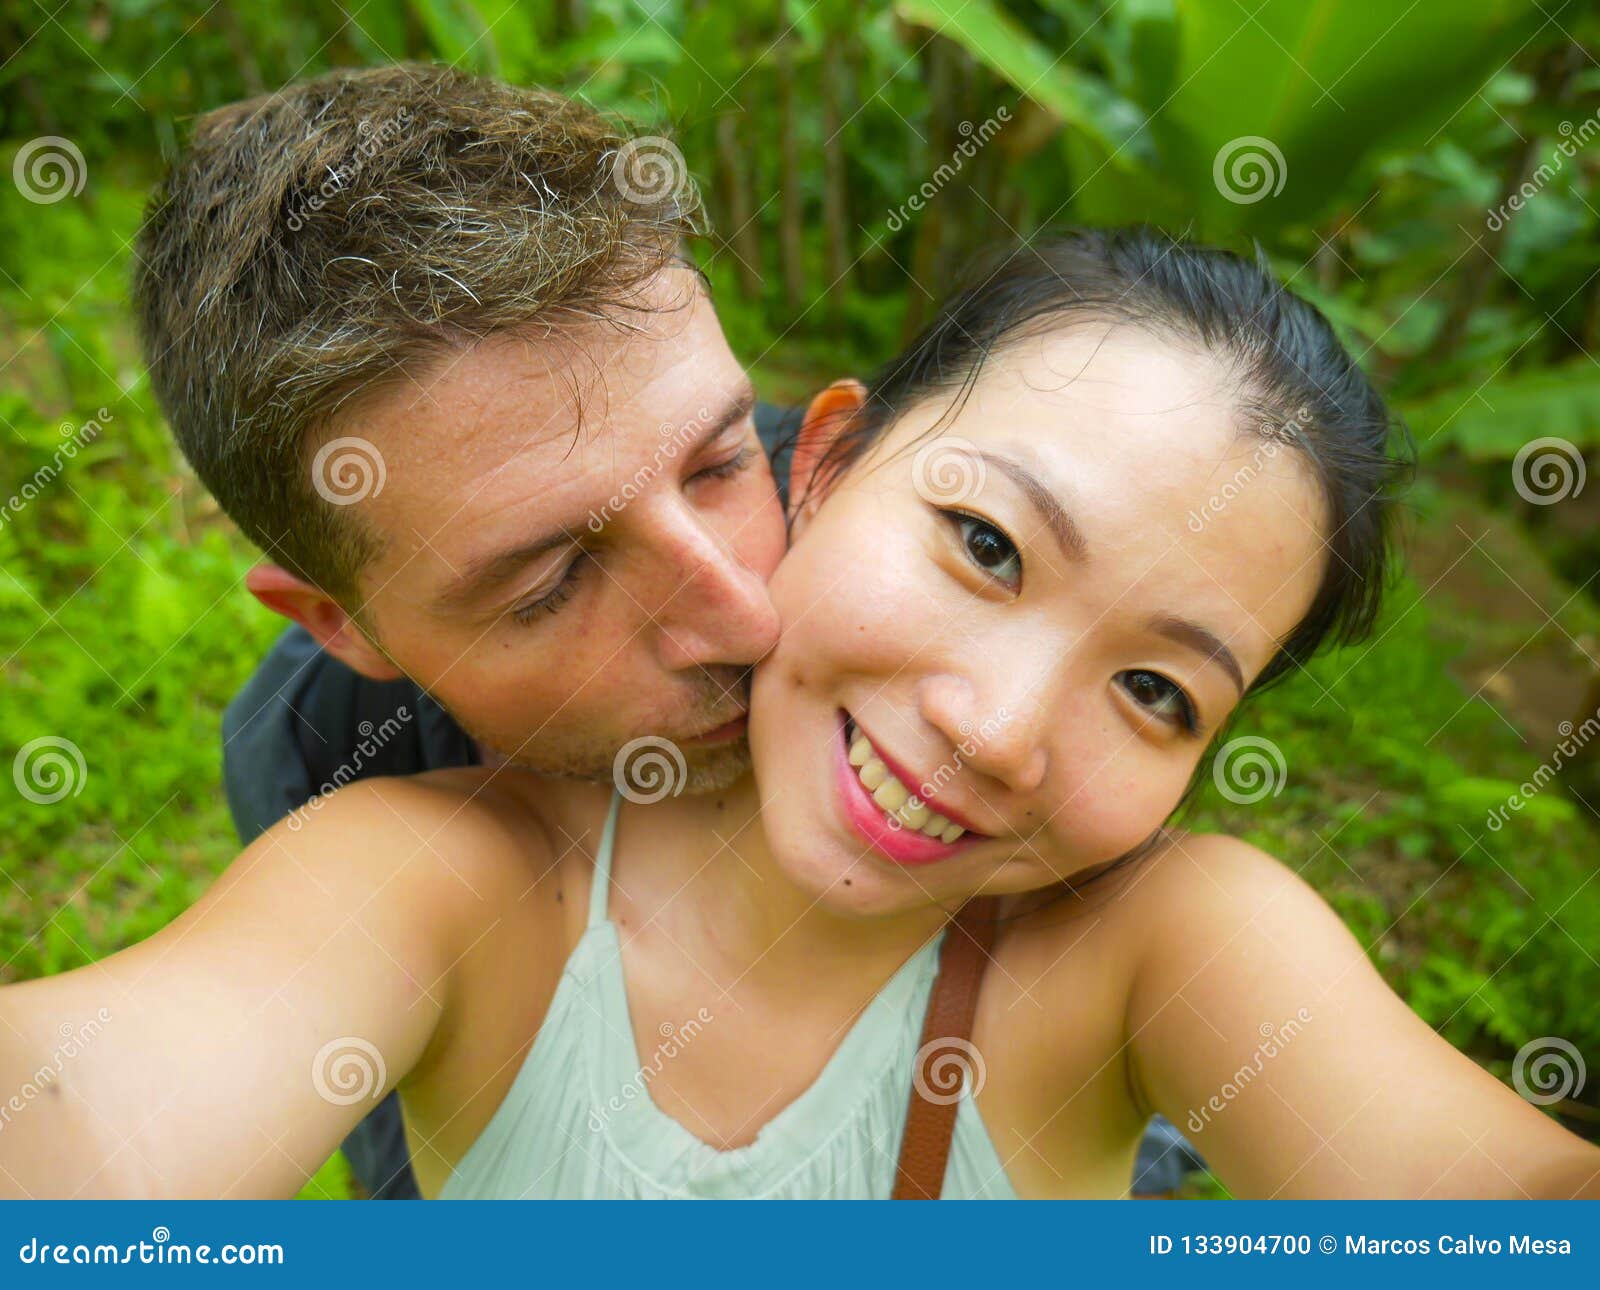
(1199, 887)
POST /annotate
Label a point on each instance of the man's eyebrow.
(743, 404)
(1061, 524)
(1202, 641)
(482, 576)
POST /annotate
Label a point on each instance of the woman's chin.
(837, 875)
(851, 890)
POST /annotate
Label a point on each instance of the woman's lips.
(894, 841)
(906, 777)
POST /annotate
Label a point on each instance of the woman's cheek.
(861, 581)
(1114, 808)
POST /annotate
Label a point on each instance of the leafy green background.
(1402, 131)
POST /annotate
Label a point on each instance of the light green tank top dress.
(579, 1123)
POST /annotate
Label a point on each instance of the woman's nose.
(1000, 738)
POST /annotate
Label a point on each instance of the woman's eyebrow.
(1067, 533)
(1202, 641)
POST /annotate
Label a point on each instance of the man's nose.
(712, 608)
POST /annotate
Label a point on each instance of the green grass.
(124, 629)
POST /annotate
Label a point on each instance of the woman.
(1006, 644)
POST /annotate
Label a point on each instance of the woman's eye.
(1161, 697)
(989, 549)
(553, 599)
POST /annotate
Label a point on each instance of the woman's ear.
(322, 616)
(830, 413)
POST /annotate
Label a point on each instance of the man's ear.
(827, 417)
(322, 616)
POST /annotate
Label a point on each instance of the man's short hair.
(348, 232)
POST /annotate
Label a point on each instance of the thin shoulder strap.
(600, 885)
(946, 1052)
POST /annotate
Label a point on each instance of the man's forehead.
(522, 391)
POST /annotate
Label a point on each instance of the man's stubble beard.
(706, 769)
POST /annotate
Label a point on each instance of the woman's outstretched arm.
(1258, 1025)
(229, 1053)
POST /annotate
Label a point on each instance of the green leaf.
(1081, 99)
(458, 35)
(1153, 48)
(1480, 797)
(1328, 84)
(1492, 420)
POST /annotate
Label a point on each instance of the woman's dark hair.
(1296, 383)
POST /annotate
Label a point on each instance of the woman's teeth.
(895, 798)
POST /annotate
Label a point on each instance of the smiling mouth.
(898, 802)
(883, 809)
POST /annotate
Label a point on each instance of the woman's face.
(1033, 620)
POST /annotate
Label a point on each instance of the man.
(431, 341)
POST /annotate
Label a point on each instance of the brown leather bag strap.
(946, 1054)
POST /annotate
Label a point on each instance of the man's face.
(578, 533)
